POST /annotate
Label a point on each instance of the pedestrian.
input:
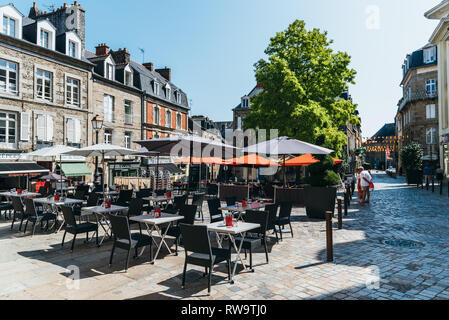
(364, 181)
(427, 171)
(440, 175)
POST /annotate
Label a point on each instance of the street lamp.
(97, 125)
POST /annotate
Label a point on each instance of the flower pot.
(318, 200)
(413, 177)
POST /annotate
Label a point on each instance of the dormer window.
(9, 26)
(72, 49)
(178, 97)
(429, 55)
(109, 71)
(45, 39)
(156, 88)
(245, 102)
(167, 92)
(128, 76)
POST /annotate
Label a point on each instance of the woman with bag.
(365, 182)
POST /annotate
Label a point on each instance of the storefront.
(75, 171)
(18, 174)
(445, 154)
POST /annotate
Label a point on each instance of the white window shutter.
(70, 130)
(25, 126)
(40, 125)
(49, 128)
(77, 131)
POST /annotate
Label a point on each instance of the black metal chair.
(92, 201)
(272, 210)
(212, 190)
(189, 213)
(7, 208)
(80, 194)
(145, 193)
(178, 203)
(255, 238)
(43, 191)
(231, 201)
(135, 209)
(72, 227)
(199, 252)
(19, 212)
(285, 212)
(124, 198)
(198, 200)
(124, 239)
(36, 217)
(215, 214)
(160, 193)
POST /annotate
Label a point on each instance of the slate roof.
(252, 93)
(416, 60)
(388, 130)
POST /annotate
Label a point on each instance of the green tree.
(301, 80)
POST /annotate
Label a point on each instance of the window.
(109, 71)
(128, 112)
(156, 88)
(178, 121)
(73, 132)
(430, 55)
(178, 97)
(168, 92)
(156, 115)
(72, 49)
(245, 103)
(128, 140)
(108, 108)
(108, 136)
(9, 26)
(431, 135)
(128, 78)
(430, 111)
(44, 85)
(8, 130)
(44, 127)
(73, 92)
(168, 119)
(8, 77)
(45, 39)
(431, 87)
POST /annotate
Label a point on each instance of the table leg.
(238, 250)
(162, 241)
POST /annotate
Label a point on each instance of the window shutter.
(49, 128)
(40, 124)
(77, 131)
(25, 126)
(70, 130)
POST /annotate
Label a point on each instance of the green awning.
(75, 169)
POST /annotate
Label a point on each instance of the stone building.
(417, 115)
(244, 107)
(44, 84)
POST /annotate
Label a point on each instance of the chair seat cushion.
(249, 242)
(83, 227)
(142, 240)
(282, 221)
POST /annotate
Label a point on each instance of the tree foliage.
(412, 157)
(301, 80)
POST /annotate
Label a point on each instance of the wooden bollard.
(340, 214)
(329, 237)
(346, 206)
(441, 187)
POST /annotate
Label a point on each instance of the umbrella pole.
(104, 168)
(157, 173)
(60, 172)
(285, 176)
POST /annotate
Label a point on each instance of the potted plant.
(412, 162)
(321, 194)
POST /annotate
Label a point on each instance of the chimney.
(149, 66)
(34, 11)
(166, 73)
(121, 56)
(102, 49)
(259, 85)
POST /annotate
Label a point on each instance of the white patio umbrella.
(101, 150)
(51, 152)
(284, 146)
(190, 143)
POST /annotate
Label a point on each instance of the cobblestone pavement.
(365, 266)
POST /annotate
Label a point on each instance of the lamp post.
(97, 125)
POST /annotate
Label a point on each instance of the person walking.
(427, 171)
(440, 175)
(364, 180)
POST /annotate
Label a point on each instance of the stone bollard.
(433, 185)
(340, 214)
(346, 206)
(329, 237)
(441, 187)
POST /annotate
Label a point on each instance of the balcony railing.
(416, 96)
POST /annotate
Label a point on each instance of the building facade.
(417, 115)
(240, 112)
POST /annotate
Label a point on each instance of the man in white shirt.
(364, 180)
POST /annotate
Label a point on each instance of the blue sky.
(212, 45)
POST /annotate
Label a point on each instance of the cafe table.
(238, 229)
(152, 224)
(112, 194)
(54, 205)
(101, 213)
(159, 200)
(240, 210)
(24, 194)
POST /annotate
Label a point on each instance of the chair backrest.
(189, 213)
(29, 207)
(135, 207)
(69, 217)
(230, 201)
(272, 210)
(144, 193)
(160, 192)
(43, 191)
(93, 199)
(286, 209)
(198, 200)
(17, 204)
(196, 239)
(120, 227)
(259, 217)
(180, 201)
(212, 189)
(215, 214)
(125, 195)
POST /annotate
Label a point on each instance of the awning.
(20, 169)
(170, 167)
(75, 169)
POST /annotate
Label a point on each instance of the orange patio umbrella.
(338, 161)
(252, 160)
(210, 160)
(304, 160)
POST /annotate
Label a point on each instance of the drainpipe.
(143, 116)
